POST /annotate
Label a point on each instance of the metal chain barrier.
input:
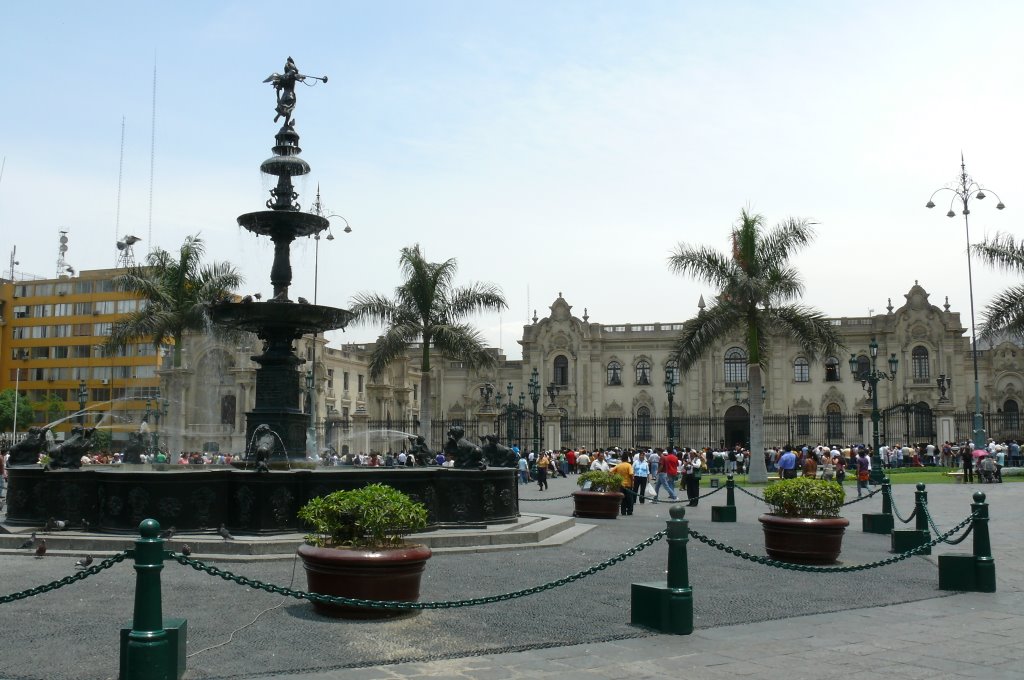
(935, 528)
(67, 580)
(677, 500)
(751, 494)
(537, 500)
(396, 604)
(768, 561)
(892, 504)
(858, 499)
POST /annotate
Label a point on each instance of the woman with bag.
(641, 472)
(693, 473)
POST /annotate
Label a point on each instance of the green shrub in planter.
(805, 497)
(374, 516)
(601, 481)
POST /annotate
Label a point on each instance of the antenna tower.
(62, 249)
(125, 254)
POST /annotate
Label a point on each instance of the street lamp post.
(486, 392)
(522, 413)
(534, 387)
(497, 418)
(312, 439)
(509, 410)
(670, 390)
(869, 382)
(965, 189)
(83, 396)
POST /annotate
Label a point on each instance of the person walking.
(863, 470)
(693, 473)
(787, 463)
(542, 472)
(668, 470)
(641, 473)
(967, 456)
(624, 469)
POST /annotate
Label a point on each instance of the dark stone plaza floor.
(73, 632)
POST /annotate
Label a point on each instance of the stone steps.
(529, 531)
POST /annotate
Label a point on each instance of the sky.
(549, 147)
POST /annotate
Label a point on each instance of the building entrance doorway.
(736, 426)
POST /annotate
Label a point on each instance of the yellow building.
(52, 342)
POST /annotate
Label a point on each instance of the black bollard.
(727, 512)
(974, 572)
(908, 539)
(668, 606)
(880, 522)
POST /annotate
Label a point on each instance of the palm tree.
(176, 291)
(756, 286)
(1005, 313)
(427, 308)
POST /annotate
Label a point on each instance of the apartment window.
(63, 309)
(21, 312)
(61, 352)
(360, 382)
(104, 286)
(614, 428)
(83, 286)
(42, 311)
(344, 381)
(102, 328)
(83, 308)
(40, 352)
(415, 393)
(330, 378)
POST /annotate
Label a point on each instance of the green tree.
(53, 405)
(1005, 313)
(177, 291)
(757, 286)
(7, 411)
(427, 308)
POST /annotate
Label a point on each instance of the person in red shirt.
(570, 459)
(668, 472)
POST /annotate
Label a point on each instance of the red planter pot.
(803, 540)
(390, 574)
(596, 504)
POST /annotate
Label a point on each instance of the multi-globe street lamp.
(670, 390)
(964, 189)
(869, 381)
(534, 386)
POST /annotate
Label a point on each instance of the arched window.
(831, 369)
(863, 367)
(643, 372)
(1011, 418)
(614, 373)
(672, 369)
(561, 372)
(801, 370)
(919, 364)
(923, 421)
(643, 424)
(735, 366)
(834, 421)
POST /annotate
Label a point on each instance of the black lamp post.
(869, 382)
(486, 392)
(670, 390)
(161, 410)
(944, 384)
(552, 393)
(509, 409)
(534, 387)
(497, 420)
(965, 189)
(522, 413)
(83, 396)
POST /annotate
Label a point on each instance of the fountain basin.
(296, 319)
(115, 498)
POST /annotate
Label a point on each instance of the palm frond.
(1002, 251)
(473, 298)
(781, 242)
(1005, 313)
(808, 327)
(715, 323)
(372, 308)
(702, 263)
(392, 345)
(462, 342)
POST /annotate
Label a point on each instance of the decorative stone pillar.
(552, 419)
(487, 419)
(945, 423)
(360, 431)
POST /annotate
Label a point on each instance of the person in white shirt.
(599, 463)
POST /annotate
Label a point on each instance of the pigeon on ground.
(41, 548)
(258, 296)
(303, 301)
(168, 533)
(85, 524)
(84, 562)
(29, 542)
(56, 525)
(186, 550)
(225, 534)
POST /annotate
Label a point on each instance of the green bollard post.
(880, 522)
(149, 651)
(727, 512)
(668, 606)
(975, 571)
(908, 539)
